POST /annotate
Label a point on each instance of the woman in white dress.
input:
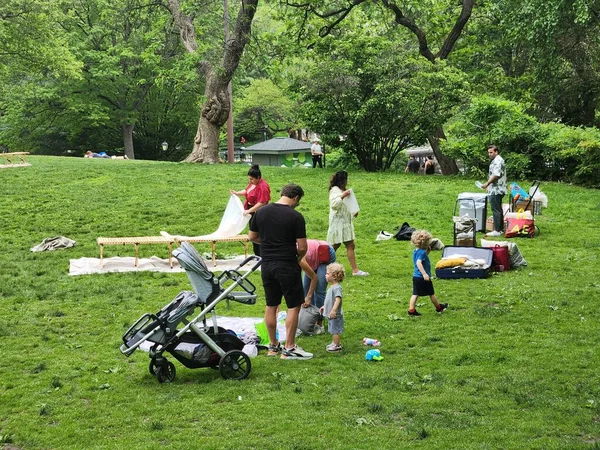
(341, 226)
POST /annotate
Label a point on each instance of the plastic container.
(466, 200)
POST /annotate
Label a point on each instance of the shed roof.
(279, 145)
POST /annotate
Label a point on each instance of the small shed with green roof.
(280, 151)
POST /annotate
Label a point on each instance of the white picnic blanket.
(87, 266)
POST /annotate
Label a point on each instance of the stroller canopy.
(201, 279)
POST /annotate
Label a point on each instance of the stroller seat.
(204, 282)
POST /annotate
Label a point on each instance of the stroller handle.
(258, 260)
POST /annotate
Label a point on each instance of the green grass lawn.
(512, 364)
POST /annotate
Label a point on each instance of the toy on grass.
(373, 355)
(373, 342)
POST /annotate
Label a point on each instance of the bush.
(532, 150)
(571, 154)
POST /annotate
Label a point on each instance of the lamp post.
(165, 146)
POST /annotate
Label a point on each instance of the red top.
(261, 193)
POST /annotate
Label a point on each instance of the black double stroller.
(189, 339)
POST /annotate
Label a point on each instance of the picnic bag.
(500, 258)
(323, 253)
(308, 318)
(405, 232)
(520, 226)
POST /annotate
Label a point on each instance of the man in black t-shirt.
(281, 232)
(413, 165)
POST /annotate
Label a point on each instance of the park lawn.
(513, 363)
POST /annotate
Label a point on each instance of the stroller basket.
(175, 330)
(159, 328)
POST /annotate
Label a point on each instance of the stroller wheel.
(165, 373)
(536, 231)
(235, 365)
(152, 367)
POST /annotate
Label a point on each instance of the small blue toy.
(373, 355)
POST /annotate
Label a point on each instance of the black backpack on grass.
(405, 232)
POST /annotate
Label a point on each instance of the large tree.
(124, 45)
(441, 22)
(216, 70)
(263, 107)
(366, 89)
(119, 50)
(34, 54)
(561, 58)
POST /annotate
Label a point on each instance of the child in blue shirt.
(422, 284)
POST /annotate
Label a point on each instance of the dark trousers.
(496, 205)
(317, 159)
(255, 246)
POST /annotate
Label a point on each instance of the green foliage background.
(512, 363)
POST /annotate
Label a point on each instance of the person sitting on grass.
(422, 284)
(332, 309)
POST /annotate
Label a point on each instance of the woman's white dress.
(341, 226)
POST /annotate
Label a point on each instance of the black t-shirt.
(278, 227)
(413, 166)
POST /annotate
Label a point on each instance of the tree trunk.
(213, 116)
(215, 110)
(127, 130)
(447, 165)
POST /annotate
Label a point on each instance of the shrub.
(533, 150)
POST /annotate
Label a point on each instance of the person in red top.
(257, 193)
(314, 265)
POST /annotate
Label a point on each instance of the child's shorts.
(422, 287)
(336, 326)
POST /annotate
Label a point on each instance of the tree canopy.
(370, 77)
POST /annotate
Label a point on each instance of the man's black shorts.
(422, 287)
(282, 278)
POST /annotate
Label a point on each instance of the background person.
(281, 231)
(341, 225)
(496, 189)
(429, 166)
(317, 153)
(257, 193)
(413, 165)
(90, 154)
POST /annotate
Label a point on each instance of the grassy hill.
(513, 363)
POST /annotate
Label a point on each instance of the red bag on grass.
(500, 258)
(519, 225)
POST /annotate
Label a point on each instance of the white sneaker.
(494, 233)
(295, 353)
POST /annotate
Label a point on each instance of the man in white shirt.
(317, 153)
(496, 188)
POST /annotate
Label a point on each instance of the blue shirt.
(421, 254)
